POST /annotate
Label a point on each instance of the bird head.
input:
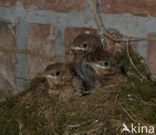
(105, 67)
(85, 43)
(57, 74)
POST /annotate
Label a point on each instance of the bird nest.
(33, 112)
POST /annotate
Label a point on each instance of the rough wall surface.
(48, 26)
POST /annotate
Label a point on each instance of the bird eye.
(56, 73)
(106, 64)
(84, 45)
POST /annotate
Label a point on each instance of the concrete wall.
(49, 27)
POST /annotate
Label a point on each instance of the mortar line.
(128, 24)
(22, 60)
(77, 19)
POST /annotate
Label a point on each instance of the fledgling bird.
(57, 74)
(86, 48)
(86, 44)
(118, 50)
(58, 77)
(106, 69)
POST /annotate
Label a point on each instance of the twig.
(138, 121)
(39, 113)
(55, 118)
(126, 39)
(92, 131)
(102, 28)
(29, 106)
(132, 63)
(20, 127)
(98, 19)
(144, 101)
(103, 98)
(128, 114)
(70, 127)
(131, 39)
(142, 39)
(134, 116)
(116, 99)
(80, 124)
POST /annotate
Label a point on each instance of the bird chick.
(86, 48)
(86, 43)
(104, 67)
(107, 69)
(58, 76)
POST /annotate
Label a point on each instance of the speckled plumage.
(58, 80)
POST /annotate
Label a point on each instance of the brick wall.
(49, 26)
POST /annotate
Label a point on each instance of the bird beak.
(46, 76)
(41, 76)
(64, 77)
(50, 76)
(99, 69)
(70, 52)
(77, 48)
(96, 67)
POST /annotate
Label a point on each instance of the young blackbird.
(107, 69)
(104, 67)
(86, 43)
(58, 79)
(86, 48)
(61, 81)
(116, 49)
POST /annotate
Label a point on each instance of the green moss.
(11, 114)
(8, 122)
(143, 88)
(141, 91)
(151, 116)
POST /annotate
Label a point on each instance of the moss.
(143, 88)
(15, 109)
(63, 121)
(120, 114)
(151, 116)
(124, 61)
(8, 122)
(11, 114)
(33, 85)
(136, 106)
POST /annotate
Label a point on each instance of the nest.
(33, 112)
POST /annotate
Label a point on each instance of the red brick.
(70, 35)
(151, 55)
(41, 40)
(57, 5)
(113, 48)
(7, 3)
(7, 59)
(136, 7)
